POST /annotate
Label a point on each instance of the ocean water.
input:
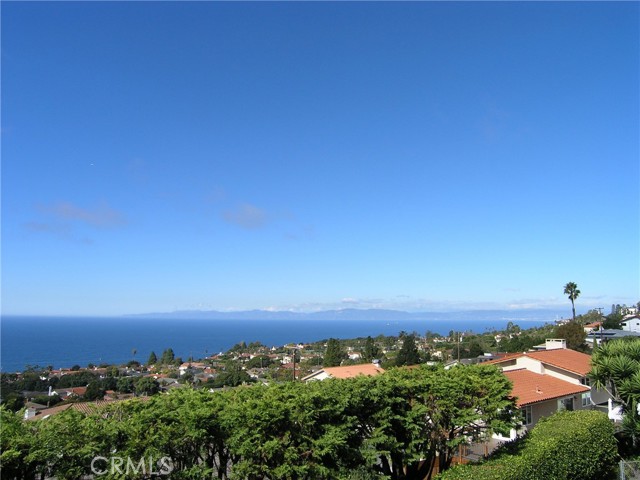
(63, 342)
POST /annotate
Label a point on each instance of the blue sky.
(421, 156)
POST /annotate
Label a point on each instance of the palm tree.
(615, 368)
(571, 289)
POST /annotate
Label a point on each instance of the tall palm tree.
(571, 289)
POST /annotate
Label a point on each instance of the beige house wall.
(562, 374)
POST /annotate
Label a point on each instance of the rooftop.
(350, 371)
(564, 358)
(530, 387)
(567, 359)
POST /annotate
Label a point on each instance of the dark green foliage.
(47, 400)
(30, 381)
(615, 367)
(521, 343)
(334, 354)
(13, 401)
(109, 383)
(239, 347)
(472, 349)
(374, 426)
(613, 321)
(475, 349)
(231, 378)
(80, 379)
(574, 334)
(577, 445)
(408, 353)
(153, 359)
(146, 386)
(260, 361)
(168, 357)
(125, 385)
(370, 351)
(95, 391)
(16, 443)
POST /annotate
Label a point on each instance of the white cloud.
(351, 301)
(246, 216)
(101, 216)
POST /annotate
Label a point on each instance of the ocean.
(63, 342)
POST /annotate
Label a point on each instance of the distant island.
(522, 315)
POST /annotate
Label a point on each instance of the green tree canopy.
(408, 353)
(260, 361)
(125, 385)
(335, 354)
(573, 333)
(168, 357)
(396, 425)
(613, 321)
(94, 391)
(146, 386)
(370, 350)
(153, 359)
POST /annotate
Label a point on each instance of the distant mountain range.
(365, 314)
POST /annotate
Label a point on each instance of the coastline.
(65, 341)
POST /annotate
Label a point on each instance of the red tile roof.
(504, 358)
(350, 371)
(86, 408)
(530, 387)
(564, 358)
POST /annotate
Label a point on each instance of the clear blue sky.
(421, 156)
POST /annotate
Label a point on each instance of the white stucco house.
(631, 323)
(547, 381)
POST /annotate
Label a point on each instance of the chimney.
(555, 344)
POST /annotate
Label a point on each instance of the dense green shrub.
(387, 426)
(576, 445)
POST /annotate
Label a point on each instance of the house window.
(586, 399)
(527, 414)
(586, 381)
(565, 404)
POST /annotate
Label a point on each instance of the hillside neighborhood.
(546, 378)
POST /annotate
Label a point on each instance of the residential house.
(32, 409)
(347, 371)
(590, 327)
(551, 344)
(66, 393)
(462, 361)
(191, 366)
(83, 407)
(631, 323)
(604, 335)
(86, 408)
(539, 395)
(546, 381)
